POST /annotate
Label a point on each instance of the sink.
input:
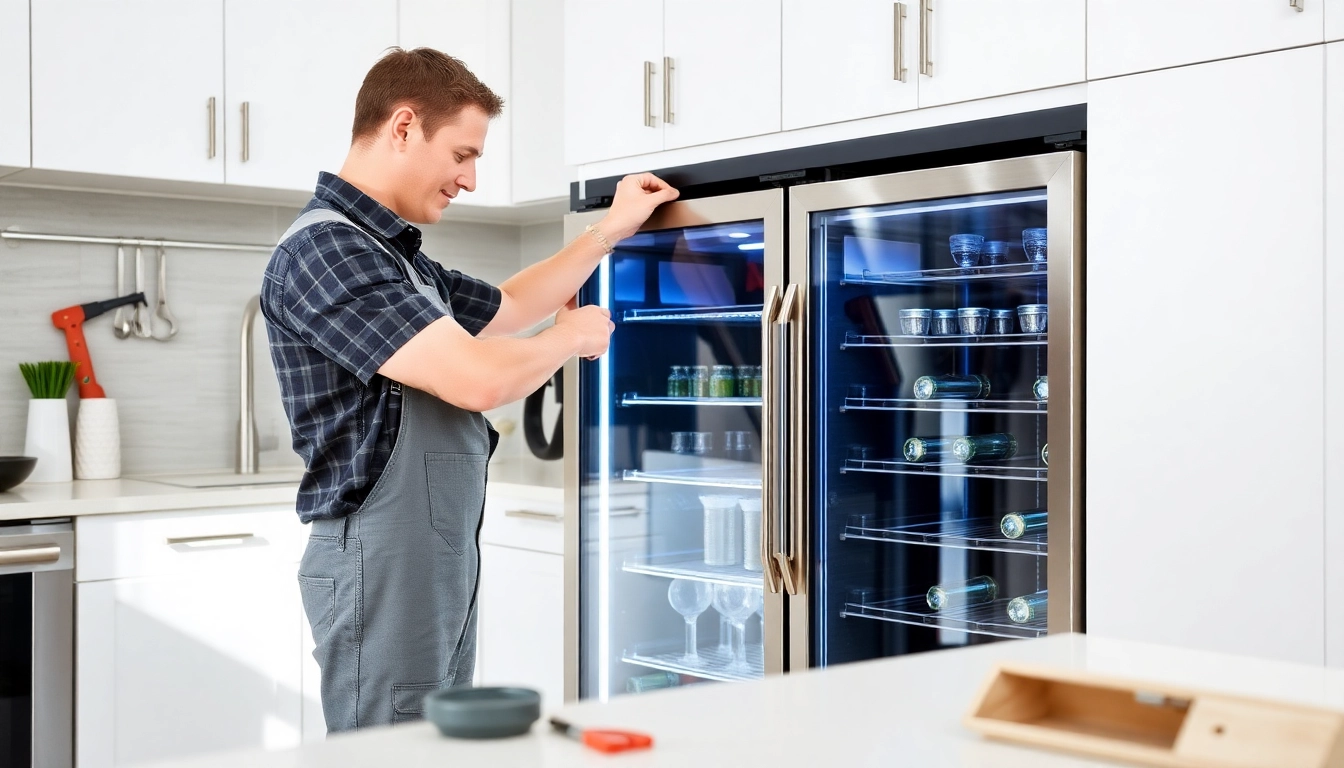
(226, 478)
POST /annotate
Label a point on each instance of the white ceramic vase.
(97, 440)
(48, 440)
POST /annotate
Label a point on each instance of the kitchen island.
(905, 711)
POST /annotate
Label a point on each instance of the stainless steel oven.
(37, 601)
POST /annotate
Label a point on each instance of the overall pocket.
(319, 604)
(456, 496)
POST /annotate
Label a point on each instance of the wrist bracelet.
(599, 237)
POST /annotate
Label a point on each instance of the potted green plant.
(48, 437)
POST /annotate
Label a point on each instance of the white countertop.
(535, 480)
(904, 711)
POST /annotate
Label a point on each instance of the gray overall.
(390, 590)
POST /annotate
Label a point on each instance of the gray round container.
(465, 712)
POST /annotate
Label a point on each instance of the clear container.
(1028, 608)
(921, 449)
(1001, 321)
(652, 682)
(751, 534)
(1045, 454)
(996, 445)
(973, 321)
(966, 249)
(755, 381)
(744, 376)
(723, 530)
(677, 383)
(951, 387)
(737, 445)
(981, 589)
(945, 323)
(1033, 317)
(682, 442)
(1041, 389)
(1015, 525)
(994, 252)
(700, 443)
(722, 382)
(699, 381)
(1034, 243)
(915, 322)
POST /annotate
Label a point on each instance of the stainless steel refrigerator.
(837, 421)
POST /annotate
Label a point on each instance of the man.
(385, 361)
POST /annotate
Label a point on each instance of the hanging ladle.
(161, 309)
(121, 321)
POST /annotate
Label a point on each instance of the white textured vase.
(48, 440)
(97, 440)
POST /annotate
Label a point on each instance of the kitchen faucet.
(246, 454)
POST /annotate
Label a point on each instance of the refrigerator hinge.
(1067, 140)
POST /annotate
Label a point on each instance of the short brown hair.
(437, 86)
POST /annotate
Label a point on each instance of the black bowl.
(14, 470)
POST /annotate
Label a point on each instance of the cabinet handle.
(214, 540)
(926, 37)
(30, 555)
(530, 514)
(247, 133)
(898, 41)
(210, 117)
(669, 117)
(648, 94)
(1298, 5)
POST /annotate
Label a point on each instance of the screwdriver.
(603, 740)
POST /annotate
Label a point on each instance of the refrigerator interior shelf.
(944, 406)
(742, 313)
(691, 565)
(984, 619)
(1017, 469)
(633, 398)
(711, 477)
(957, 534)
(952, 274)
(713, 663)
(853, 339)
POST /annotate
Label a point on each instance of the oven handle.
(30, 555)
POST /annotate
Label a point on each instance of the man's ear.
(399, 127)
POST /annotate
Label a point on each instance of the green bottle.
(981, 589)
(920, 449)
(951, 388)
(644, 683)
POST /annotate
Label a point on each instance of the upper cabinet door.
(1141, 35)
(1334, 353)
(1334, 19)
(722, 68)
(125, 88)
(293, 70)
(537, 96)
(613, 79)
(848, 60)
(972, 49)
(14, 146)
(477, 32)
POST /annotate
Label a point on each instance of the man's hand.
(590, 326)
(636, 197)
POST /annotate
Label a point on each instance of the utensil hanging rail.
(133, 241)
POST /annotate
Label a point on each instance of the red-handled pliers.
(604, 740)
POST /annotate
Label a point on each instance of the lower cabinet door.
(172, 666)
(522, 618)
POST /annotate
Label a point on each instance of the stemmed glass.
(690, 599)
(736, 603)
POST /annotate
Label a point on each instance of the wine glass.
(736, 603)
(690, 599)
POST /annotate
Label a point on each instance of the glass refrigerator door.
(668, 453)
(943, 489)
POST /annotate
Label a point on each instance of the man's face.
(435, 171)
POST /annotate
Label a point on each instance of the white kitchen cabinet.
(979, 48)
(289, 102)
(1205, 474)
(724, 70)
(14, 79)
(522, 620)
(841, 60)
(1334, 19)
(613, 79)
(537, 96)
(477, 32)
(125, 88)
(1139, 35)
(1334, 354)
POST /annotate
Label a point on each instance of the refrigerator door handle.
(771, 452)
(785, 377)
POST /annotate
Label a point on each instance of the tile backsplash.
(178, 399)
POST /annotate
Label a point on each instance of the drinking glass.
(995, 251)
(690, 599)
(736, 603)
(1033, 242)
(681, 442)
(966, 249)
(700, 442)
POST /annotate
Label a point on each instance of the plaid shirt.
(336, 308)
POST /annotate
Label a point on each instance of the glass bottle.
(1027, 608)
(1045, 454)
(721, 381)
(951, 387)
(1041, 389)
(652, 682)
(744, 381)
(996, 445)
(981, 589)
(699, 381)
(677, 385)
(919, 449)
(1018, 524)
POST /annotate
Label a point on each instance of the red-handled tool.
(604, 740)
(71, 320)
